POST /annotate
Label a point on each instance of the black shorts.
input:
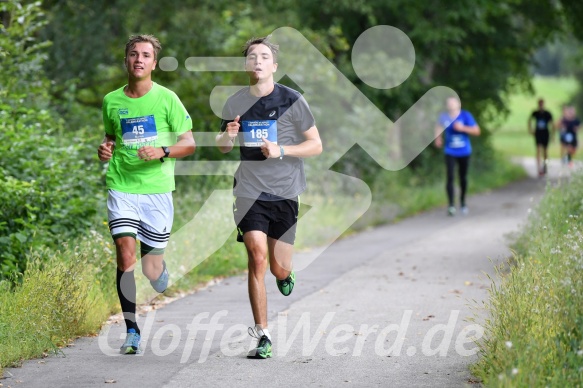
(542, 138)
(277, 219)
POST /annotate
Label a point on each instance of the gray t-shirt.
(282, 116)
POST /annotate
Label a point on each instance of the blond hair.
(144, 38)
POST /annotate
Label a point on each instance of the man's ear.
(275, 67)
(154, 65)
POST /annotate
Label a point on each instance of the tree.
(47, 190)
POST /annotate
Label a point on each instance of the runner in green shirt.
(146, 127)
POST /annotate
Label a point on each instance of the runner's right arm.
(105, 149)
(438, 136)
(225, 140)
(530, 125)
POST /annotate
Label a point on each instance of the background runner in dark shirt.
(568, 126)
(540, 124)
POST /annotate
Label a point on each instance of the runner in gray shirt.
(275, 129)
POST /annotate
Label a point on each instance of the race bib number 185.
(254, 131)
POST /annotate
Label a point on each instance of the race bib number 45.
(138, 130)
(254, 131)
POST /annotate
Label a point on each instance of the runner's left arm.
(180, 123)
(467, 125)
(473, 130)
(184, 146)
(311, 146)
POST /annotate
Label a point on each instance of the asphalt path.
(395, 306)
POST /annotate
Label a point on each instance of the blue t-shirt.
(457, 143)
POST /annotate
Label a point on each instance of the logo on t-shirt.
(272, 114)
(122, 111)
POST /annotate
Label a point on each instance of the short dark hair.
(144, 38)
(263, 40)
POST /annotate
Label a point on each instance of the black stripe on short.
(159, 237)
(124, 222)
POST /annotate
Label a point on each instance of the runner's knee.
(125, 251)
(257, 260)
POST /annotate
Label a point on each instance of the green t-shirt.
(155, 119)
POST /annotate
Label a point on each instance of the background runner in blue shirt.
(456, 126)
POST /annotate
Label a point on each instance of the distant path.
(415, 275)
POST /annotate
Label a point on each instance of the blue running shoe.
(132, 343)
(161, 283)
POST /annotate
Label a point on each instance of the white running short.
(149, 217)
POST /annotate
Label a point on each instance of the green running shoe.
(263, 349)
(286, 285)
(132, 343)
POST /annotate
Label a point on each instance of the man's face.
(259, 62)
(453, 105)
(140, 61)
(541, 104)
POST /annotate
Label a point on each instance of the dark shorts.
(569, 139)
(277, 219)
(542, 138)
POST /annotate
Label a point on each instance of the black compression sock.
(127, 297)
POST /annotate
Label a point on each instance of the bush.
(534, 336)
(51, 184)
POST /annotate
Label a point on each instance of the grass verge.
(534, 336)
(61, 296)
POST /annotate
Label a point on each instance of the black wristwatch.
(166, 153)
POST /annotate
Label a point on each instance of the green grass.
(61, 296)
(534, 333)
(534, 336)
(512, 138)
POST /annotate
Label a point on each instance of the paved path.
(387, 307)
